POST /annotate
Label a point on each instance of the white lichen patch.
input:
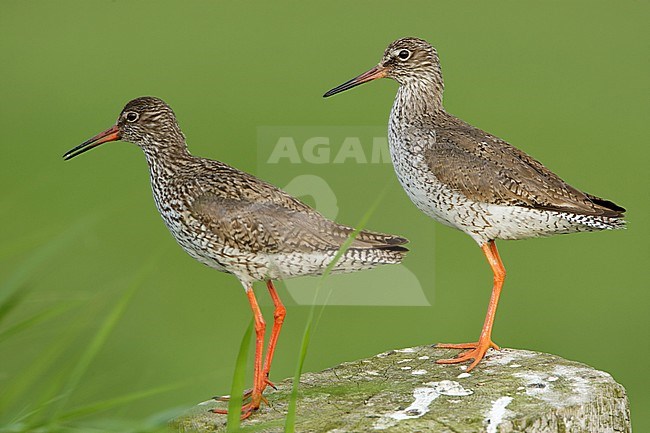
(372, 373)
(576, 377)
(497, 413)
(406, 350)
(450, 387)
(423, 357)
(563, 370)
(506, 356)
(405, 368)
(541, 385)
(535, 385)
(423, 397)
(463, 375)
(402, 361)
(419, 372)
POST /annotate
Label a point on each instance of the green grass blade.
(238, 381)
(23, 272)
(11, 294)
(117, 401)
(28, 412)
(160, 421)
(290, 422)
(32, 321)
(35, 371)
(99, 339)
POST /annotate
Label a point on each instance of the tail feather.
(356, 259)
(371, 249)
(380, 248)
(378, 240)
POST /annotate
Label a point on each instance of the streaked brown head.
(405, 60)
(147, 122)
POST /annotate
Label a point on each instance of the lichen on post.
(406, 391)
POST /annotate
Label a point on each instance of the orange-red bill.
(376, 72)
(111, 134)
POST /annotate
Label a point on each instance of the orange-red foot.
(475, 351)
(267, 382)
(247, 394)
(256, 399)
(247, 409)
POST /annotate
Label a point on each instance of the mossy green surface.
(544, 393)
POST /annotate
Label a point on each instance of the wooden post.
(405, 391)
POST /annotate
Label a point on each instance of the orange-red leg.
(477, 350)
(255, 393)
(278, 319)
(258, 378)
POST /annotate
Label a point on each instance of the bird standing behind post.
(237, 223)
(471, 180)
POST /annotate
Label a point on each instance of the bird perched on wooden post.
(237, 223)
(470, 179)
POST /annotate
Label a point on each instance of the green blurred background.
(565, 81)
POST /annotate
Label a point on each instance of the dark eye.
(404, 54)
(132, 116)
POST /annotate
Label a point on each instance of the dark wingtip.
(611, 206)
(610, 209)
(383, 241)
(396, 248)
(395, 244)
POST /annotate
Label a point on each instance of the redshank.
(237, 223)
(471, 180)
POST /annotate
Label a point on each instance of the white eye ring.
(403, 54)
(131, 116)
